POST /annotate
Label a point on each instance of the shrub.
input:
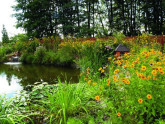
(20, 46)
(39, 54)
(32, 45)
(137, 87)
(27, 58)
(94, 55)
(50, 58)
(2, 54)
(65, 55)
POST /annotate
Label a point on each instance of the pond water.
(16, 76)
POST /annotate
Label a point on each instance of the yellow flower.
(127, 81)
(154, 72)
(114, 77)
(116, 71)
(124, 66)
(109, 58)
(143, 68)
(108, 82)
(160, 68)
(154, 78)
(132, 65)
(85, 79)
(115, 80)
(118, 114)
(148, 77)
(94, 83)
(149, 96)
(102, 71)
(142, 77)
(97, 98)
(89, 81)
(160, 53)
(119, 62)
(161, 72)
(140, 100)
(158, 63)
(124, 81)
(81, 74)
(155, 75)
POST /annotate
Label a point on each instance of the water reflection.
(9, 86)
(17, 76)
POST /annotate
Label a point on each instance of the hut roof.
(121, 48)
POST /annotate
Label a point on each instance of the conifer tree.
(5, 37)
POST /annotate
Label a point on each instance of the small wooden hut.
(120, 50)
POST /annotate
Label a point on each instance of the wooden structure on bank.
(120, 50)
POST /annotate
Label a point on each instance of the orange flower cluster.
(140, 100)
(116, 71)
(108, 83)
(97, 98)
(126, 81)
(118, 114)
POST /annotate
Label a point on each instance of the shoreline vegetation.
(110, 90)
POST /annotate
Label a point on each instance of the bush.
(20, 46)
(65, 55)
(137, 87)
(39, 54)
(94, 55)
(32, 45)
(27, 58)
(50, 58)
(2, 54)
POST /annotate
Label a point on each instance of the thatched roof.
(121, 48)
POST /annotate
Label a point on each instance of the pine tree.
(5, 37)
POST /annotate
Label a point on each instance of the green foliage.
(65, 54)
(27, 58)
(20, 38)
(2, 54)
(110, 90)
(39, 54)
(32, 45)
(50, 58)
(94, 56)
(118, 38)
(164, 48)
(20, 46)
(5, 38)
(51, 42)
(10, 111)
(82, 18)
(38, 24)
(74, 121)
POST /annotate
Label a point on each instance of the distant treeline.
(90, 18)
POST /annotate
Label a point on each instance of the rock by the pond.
(15, 59)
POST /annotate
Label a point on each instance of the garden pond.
(16, 76)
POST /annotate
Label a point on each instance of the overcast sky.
(6, 18)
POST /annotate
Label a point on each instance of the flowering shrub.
(134, 87)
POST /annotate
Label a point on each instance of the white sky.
(6, 18)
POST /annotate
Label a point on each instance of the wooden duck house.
(120, 50)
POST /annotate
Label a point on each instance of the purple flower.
(107, 47)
